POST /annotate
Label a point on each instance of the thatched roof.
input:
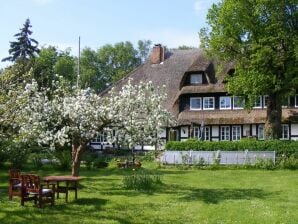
(168, 73)
(216, 117)
(171, 73)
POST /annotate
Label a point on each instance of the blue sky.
(98, 22)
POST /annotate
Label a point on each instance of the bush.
(141, 181)
(36, 159)
(64, 159)
(285, 162)
(100, 162)
(17, 154)
(267, 164)
(3, 152)
(281, 147)
(88, 158)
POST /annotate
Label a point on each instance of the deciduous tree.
(260, 38)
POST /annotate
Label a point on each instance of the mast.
(78, 75)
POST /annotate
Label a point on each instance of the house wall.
(246, 130)
(215, 133)
(163, 134)
(294, 132)
(184, 132)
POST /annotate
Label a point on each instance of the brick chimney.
(157, 54)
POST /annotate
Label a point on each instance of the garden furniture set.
(30, 187)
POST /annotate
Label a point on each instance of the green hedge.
(281, 147)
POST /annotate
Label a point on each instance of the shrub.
(101, 162)
(141, 181)
(285, 162)
(64, 159)
(88, 158)
(3, 152)
(281, 147)
(17, 154)
(267, 164)
(36, 159)
(148, 156)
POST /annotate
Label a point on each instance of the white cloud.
(171, 38)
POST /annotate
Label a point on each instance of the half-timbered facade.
(197, 98)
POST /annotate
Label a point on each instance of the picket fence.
(222, 157)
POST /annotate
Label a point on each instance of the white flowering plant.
(59, 116)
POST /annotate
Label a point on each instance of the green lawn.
(186, 196)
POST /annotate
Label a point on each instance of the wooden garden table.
(71, 183)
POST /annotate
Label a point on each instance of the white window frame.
(102, 137)
(260, 100)
(225, 98)
(234, 107)
(285, 134)
(296, 100)
(207, 129)
(196, 132)
(195, 98)
(236, 136)
(200, 79)
(264, 101)
(208, 108)
(225, 133)
(261, 132)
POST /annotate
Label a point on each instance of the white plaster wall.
(215, 130)
(254, 130)
(215, 139)
(246, 129)
(163, 134)
(294, 129)
(184, 132)
(183, 140)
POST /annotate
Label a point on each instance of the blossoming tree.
(138, 114)
(66, 117)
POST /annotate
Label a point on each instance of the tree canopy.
(24, 47)
(260, 38)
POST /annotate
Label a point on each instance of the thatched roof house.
(196, 96)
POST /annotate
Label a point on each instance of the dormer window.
(196, 79)
(195, 103)
(238, 102)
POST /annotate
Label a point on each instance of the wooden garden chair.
(14, 187)
(32, 190)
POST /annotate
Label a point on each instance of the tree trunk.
(77, 151)
(273, 120)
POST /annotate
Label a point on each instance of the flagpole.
(79, 56)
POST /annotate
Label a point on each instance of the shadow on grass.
(215, 196)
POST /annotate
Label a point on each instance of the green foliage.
(88, 158)
(281, 147)
(50, 63)
(23, 48)
(101, 162)
(3, 151)
(18, 154)
(148, 157)
(64, 159)
(141, 181)
(36, 159)
(260, 38)
(288, 162)
(267, 164)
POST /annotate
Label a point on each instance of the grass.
(186, 196)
